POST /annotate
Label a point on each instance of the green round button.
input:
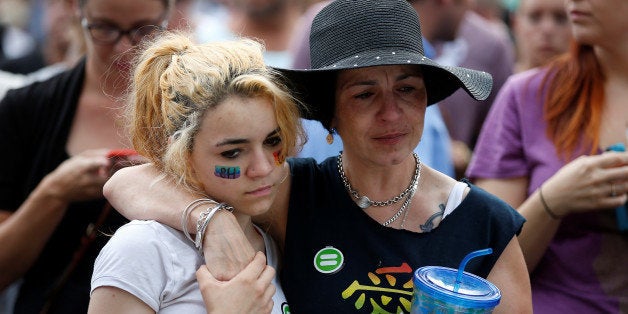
(328, 260)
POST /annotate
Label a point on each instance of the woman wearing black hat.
(354, 227)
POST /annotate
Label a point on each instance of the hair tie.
(546, 207)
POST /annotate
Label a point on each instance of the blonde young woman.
(213, 119)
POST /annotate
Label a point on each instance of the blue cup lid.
(473, 292)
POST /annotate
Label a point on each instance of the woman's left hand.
(251, 291)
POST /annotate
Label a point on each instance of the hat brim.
(316, 87)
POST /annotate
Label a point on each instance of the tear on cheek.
(227, 172)
(279, 158)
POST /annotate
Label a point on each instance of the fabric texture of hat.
(349, 34)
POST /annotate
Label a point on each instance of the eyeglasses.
(109, 35)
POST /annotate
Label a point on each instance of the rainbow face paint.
(279, 158)
(227, 172)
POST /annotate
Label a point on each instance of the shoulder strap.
(455, 197)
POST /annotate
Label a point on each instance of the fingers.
(256, 267)
(78, 178)
(87, 163)
(612, 159)
(590, 183)
(269, 296)
(260, 276)
(94, 168)
(601, 169)
(618, 189)
(268, 274)
(614, 179)
(252, 288)
(202, 273)
(265, 281)
(205, 278)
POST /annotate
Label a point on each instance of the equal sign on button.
(328, 260)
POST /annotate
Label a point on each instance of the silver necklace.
(363, 201)
(405, 204)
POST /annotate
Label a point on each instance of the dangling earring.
(330, 136)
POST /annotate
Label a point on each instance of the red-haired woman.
(540, 151)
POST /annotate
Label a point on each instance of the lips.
(265, 190)
(576, 15)
(390, 138)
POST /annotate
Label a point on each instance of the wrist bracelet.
(547, 209)
(203, 222)
(186, 214)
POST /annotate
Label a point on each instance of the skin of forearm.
(539, 228)
(226, 254)
(229, 251)
(24, 233)
(134, 200)
(538, 231)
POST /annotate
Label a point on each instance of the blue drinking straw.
(464, 262)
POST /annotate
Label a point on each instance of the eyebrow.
(109, 22)
(235, 141)
(372, 82)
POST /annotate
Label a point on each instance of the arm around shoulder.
(142, 192)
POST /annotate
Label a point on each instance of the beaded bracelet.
(186, 214)
(203, 222)
(547, 209)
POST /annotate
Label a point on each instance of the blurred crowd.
(42, 38)
(39, 38)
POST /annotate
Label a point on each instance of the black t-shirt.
(35, 122)
(339, 260)
(2, 31)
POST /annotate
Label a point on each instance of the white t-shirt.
(158, 264)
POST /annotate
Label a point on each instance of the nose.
(124, 43)
(389, 109)
(546, 24)
(261, 165)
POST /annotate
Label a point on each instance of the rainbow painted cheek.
(227, 172)
(279, 158)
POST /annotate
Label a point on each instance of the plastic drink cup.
(621, 212)
(440, 289)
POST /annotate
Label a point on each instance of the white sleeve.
(133, 260)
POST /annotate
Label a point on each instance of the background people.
(64, 47)
(188, 104)
(271, 21)
(541, 31)
(541, 151)
(59, 23)
(373, 88)
(60, 132)
(15, 41)
(464, 38)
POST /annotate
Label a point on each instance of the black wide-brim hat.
(349, 34)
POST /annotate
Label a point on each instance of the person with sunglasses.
(57, 136)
